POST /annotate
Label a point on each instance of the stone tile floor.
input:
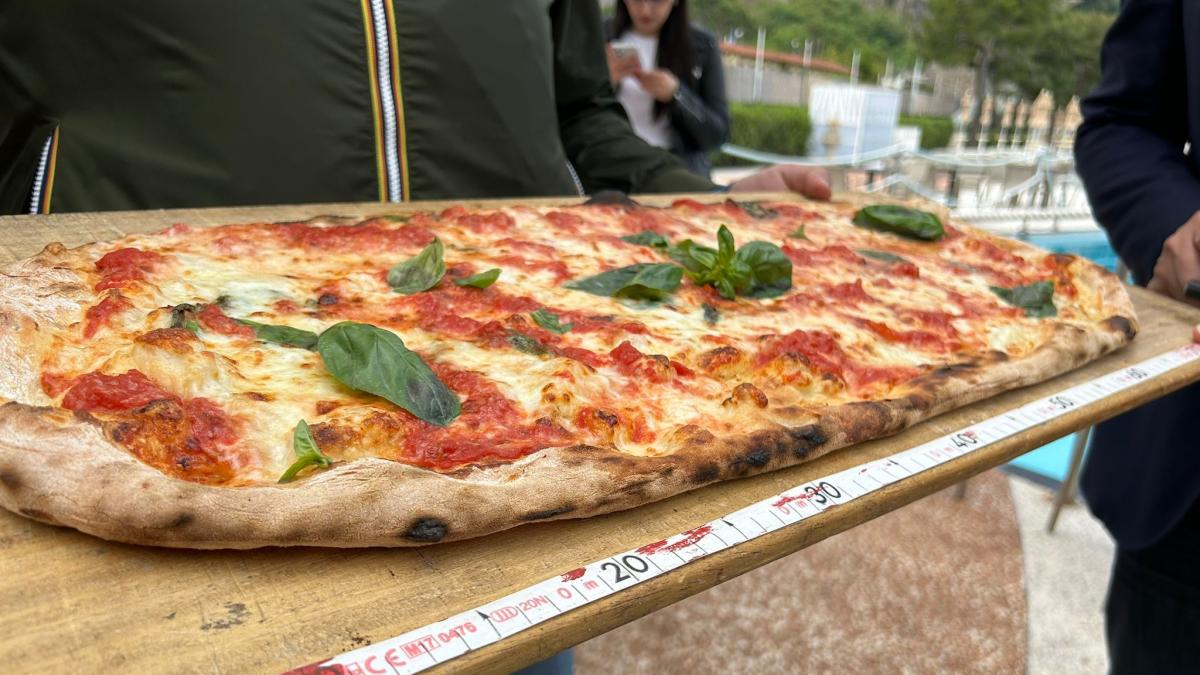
(940, 586)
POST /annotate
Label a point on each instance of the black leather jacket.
(699, 115)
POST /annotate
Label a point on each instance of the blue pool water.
(1052, 461)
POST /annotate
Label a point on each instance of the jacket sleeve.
(702, 116)
(1130, 148)
(597, 137)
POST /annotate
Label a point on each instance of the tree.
(980, 33)
(837, 28)
(1061, 55)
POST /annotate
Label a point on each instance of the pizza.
(437, 375)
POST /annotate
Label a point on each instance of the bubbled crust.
(60, 468)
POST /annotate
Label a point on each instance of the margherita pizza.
(440, 375)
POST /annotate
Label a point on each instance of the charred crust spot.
(258, 396)
(325, 407)
(611, 198)
(10, 480)
(1062, 259)
(426, 530)
(182, 520)
(757, 457)
(806, 439)
(327, 299)
(608, 418)
(706, 473)
(1122, 325)
(548, 513)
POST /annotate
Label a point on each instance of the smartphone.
(624, 50)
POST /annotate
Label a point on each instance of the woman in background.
(669, 79)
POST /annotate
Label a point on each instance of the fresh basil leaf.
(647, 238)
(756, 210)
(882, 256)
(549, 320)
(376, 361)
(711, 315)
(419, 273)
(192, 326)
(725, 245)
(769, 270)
(901, 220)
(695, 258)
(481, 280)
(526, 343)
(282, 335)
(1037, 299)
(307, 453)
(798, 233)
(644, 281)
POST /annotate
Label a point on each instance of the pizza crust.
(59, 468)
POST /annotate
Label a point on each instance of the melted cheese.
(270, 388)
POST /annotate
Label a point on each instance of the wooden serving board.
(74, 603)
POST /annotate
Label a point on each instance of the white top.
(639, 105)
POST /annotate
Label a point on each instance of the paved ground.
(939, 586)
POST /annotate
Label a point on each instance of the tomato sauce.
(915, 338)
(98, 316)
(113, 393)
(822, 352)
(125, 265)
(828, 256)
(212, 318)
(479, 222)
(54, 384)
(849, 293)
(567, 222)
(374, 235)
(483, 431)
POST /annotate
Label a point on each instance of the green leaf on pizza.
(376, 361)
(901, 220)
(757, 210)
(882, 256)
(192, 326)
(647, 238)
(419, 273)
(643, 281)
(549, 320)
(1037, 299)
(757, 270)
(799, 233)
(711, 315)
(481, 280)
(525, 343)
(307, 453)
(282, 335)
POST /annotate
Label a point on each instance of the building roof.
(783, 58)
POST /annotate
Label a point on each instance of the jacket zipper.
(387, 100)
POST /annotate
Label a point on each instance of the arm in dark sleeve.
(702, 116)
(1130, 148)
(597, 137)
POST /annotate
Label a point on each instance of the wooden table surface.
(74, 603)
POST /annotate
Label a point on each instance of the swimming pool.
(1051, 462)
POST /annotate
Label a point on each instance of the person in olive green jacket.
(123, 104)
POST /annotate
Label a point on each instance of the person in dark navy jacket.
(1136, 153)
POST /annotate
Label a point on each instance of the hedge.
(781, 129)
(785, 129)
(935, 131)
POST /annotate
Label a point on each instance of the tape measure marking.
(430, 645)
